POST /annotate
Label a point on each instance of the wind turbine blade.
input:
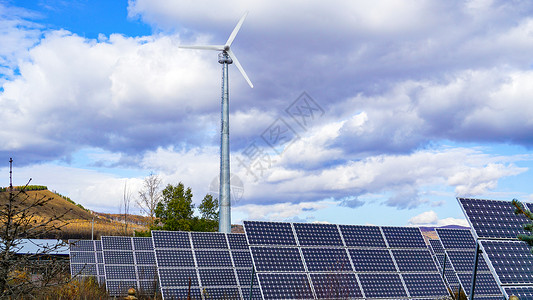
(236, 62)
(236, 30)
(202, 47)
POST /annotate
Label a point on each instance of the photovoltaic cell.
(492, 218)
(209, 240)
(436, 246)
(269, 233)
(456, 238)
(382, 285)
(318, 234)
(362, 236)
(414, 260)
(485, 284)
(285, 286)
(326, 260)
(335, 286)
(512, 261)
(425, 285)
(372, 260)
(463, 261)
(404, 237)
(522, 293)
(218, 265)
(272, 259)
(129, 260)
(86, 259)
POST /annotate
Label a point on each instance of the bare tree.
(125, 204)
(22, 274)
(150, 195)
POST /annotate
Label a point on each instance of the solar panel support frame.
(474, 272)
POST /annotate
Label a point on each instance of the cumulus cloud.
(430, 218)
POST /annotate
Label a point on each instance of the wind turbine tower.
(225, 58)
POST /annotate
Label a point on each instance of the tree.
(17, 223)
(209, 214)
(520, 209)
(149, 196)
(175, 210)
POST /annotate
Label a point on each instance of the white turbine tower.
(225, 57)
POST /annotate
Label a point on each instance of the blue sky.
(414, 103)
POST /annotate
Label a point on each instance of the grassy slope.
(56, 206)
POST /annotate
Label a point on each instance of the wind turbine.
(225, 57)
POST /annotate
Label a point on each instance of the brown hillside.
(56, 206)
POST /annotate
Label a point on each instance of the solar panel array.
(129, 262)
(86, 259)
(496, 227)
(460, 246)
(215, 265)
(326, 261)
(450, 276)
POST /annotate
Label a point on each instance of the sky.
(363, 112)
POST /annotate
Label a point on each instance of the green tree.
(175, 210)
(521, 210)
(209, 214)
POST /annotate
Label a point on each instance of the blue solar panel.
(512, 261)
(256, 293)
(335, 286)
(242, 259)
(523, 293)
(218, 277)
(372, 260)
(425, 285)
(86, 259)
(436, 246)
(245, 277)
(362, 236)
(463, 261)
(414, 260)
(456, 238)
(171, 239)
(326, 260)
(285, 286)
(178, 277)
(221, 293)
(493, 218)
(318, 234)
(174, 258)
(485, 284)
(404, 237)
(213, 259)
(237, 241)
(269, 233)
(209, 240)
(129, 259)
(382, 285)
(271, 259)
(181, 293)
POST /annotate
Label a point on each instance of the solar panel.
(269, 233)
(493, 218)
(485, 284)
(323, 264)
(522, 292)
(362, 236)
(129, 262)
(382, 285)
(414, 260)
(318, 234)
(285, 286)
(404, 237)
(86, 259)
(463, 261)
(456, 238)
(217, 265)
(424, 285)
(512, 261)
(436, 246)
(335, 286)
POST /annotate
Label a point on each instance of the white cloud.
(430, 218)
(280, 211)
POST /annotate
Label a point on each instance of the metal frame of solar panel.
(495, 227)
(86, 259)
(218, 265)
(327, 261)
(129, 262)
(460, 246)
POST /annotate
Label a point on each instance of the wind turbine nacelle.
(223, 58)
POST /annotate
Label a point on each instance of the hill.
(78, 221)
